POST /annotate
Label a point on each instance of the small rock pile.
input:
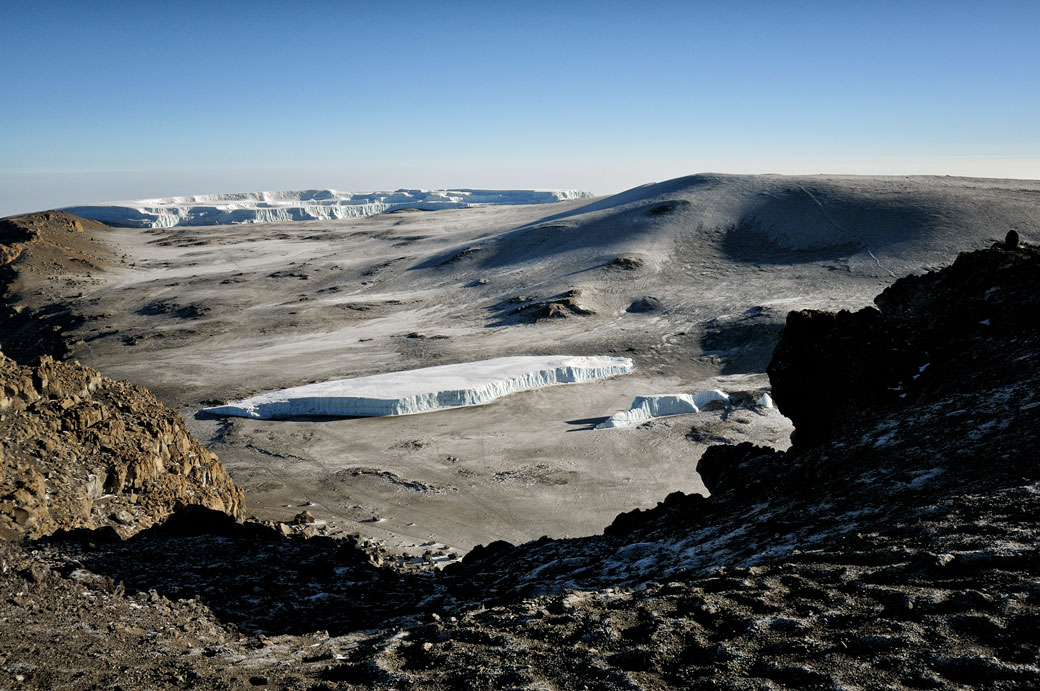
(560, 306)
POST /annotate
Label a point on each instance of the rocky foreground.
(894, 545)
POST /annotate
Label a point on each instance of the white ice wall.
(424, 390)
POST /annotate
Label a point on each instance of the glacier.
(644, 408)
(305, 205)
(424, 390)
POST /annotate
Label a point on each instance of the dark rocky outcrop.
(560, 306)
(959, 330)
(626, 263)
(647, 303)
(525, 309)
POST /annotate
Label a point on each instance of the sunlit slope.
(637, 269)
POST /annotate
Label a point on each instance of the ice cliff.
(424, 390)
(307, 205)
(645, 407)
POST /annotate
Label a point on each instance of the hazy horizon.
(25, 193)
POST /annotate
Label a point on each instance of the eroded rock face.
(79, 450)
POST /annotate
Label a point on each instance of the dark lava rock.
(952, 331)
(560, 306)
(645, 304)
(627, 263)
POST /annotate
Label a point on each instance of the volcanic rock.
(647, 303)
(627, 263)
(83, 451)
(952, 331)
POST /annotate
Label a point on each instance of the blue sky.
(112, 100)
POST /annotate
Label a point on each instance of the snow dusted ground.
(306, 205)
(426, 389)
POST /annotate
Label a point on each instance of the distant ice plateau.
(424, 390)
(306, 205)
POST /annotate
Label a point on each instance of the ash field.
(692, 281)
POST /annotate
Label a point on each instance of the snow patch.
(645, 407)
(923, 477)
(306, 205)
(885, 439)
(424, 390)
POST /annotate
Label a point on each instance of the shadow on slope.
(765, 219)
(606, 235)
(743, 342)
(747, 242)
(250, 575)
(797, 223)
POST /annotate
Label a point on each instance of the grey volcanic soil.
(210, 314)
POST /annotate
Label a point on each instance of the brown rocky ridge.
(38, 253)
(80, 450)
